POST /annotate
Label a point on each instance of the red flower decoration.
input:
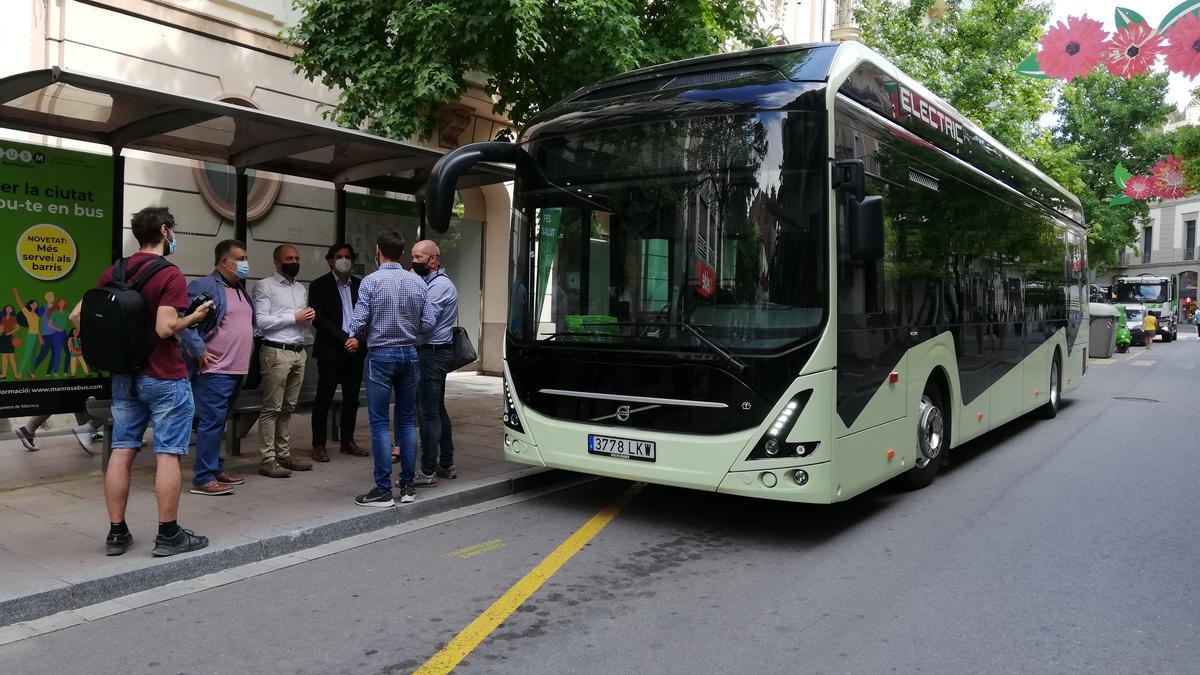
(1139, 187)
(1073, 48)
(1133, 50)
(1183, 56)
(1168, 178)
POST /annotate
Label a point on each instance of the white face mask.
(342, 265)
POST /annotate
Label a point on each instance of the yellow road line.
(465, 642)
(1141, 363)
(475, 549)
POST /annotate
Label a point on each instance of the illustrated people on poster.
(76, 348)
(31, 312)
(9, 326)
(54, 337)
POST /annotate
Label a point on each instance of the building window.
(1189, 251)
(1147, 237)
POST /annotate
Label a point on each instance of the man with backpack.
(128, 325)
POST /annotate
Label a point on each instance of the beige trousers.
(282, 375)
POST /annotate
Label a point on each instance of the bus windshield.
(688, 234)
(1135, 292)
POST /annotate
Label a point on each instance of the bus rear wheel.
(1049, 409)
(932, 440)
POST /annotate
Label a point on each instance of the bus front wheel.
(932, 439)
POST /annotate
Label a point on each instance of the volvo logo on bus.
(623, 413)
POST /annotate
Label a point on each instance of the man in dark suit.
(339, 359)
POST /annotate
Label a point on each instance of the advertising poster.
(56, 225)
(368, 215)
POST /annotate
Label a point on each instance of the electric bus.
(790, 273)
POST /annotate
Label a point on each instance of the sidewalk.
(53, 522)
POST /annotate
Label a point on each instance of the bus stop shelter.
(124, 116)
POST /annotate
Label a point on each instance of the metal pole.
(241, 201)
(339, 210)
(118, 203)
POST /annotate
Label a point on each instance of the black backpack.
(113, 320)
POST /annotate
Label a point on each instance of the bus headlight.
(510, 418)
(774, 443)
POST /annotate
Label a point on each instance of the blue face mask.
(170, 245)
(243, 269)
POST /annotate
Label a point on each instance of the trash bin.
(1102, 331)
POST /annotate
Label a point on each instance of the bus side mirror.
(864, 220)
(443, 179)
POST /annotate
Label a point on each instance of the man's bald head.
(426, 254)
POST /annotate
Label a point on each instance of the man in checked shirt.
(391, 313)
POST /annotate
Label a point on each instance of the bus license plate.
(625, 448)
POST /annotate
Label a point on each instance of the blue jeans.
(167, 404)
(435, 421)
(388, 369)
(214, 394)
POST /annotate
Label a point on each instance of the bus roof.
(842, 65)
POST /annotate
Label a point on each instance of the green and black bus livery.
(790, 273)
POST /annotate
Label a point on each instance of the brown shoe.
(212, 488)
(351, 448)
(294, 463)
(226, 478)
(272, 469)
(319, 454)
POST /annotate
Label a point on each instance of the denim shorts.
(165, 404)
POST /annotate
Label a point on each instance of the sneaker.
(381, 499)
(83, 434)
(273, 470)
(212, 488)
(407, 494)
(423, 479)
(447, 472)
(182, 542)
(226, 478)
(27, 439)
(294, 463)
(116, 544)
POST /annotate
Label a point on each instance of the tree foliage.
(968, 56)
(1109, 120)
(396, 62)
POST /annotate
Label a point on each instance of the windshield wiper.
(694, 330)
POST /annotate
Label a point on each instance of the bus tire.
(1049, 409)
(933, 439)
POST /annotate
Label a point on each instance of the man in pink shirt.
(219, 353)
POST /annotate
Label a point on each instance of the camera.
(209, 321)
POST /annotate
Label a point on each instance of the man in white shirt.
(282, 313)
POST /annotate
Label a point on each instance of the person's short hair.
(332, 252)
(391, 245)
(278, 252)
(224, 248)
(147, 223)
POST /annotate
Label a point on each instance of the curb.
(70, 596)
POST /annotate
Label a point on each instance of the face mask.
(170, 245)
(420, 268)
(290, 269)
(342, 265)
(243, 269)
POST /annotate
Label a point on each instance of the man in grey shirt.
(436, 351)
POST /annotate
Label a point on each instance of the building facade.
(229, 50)
(1166, 245)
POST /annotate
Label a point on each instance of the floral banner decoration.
(1164, 182)
(1079, 45)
